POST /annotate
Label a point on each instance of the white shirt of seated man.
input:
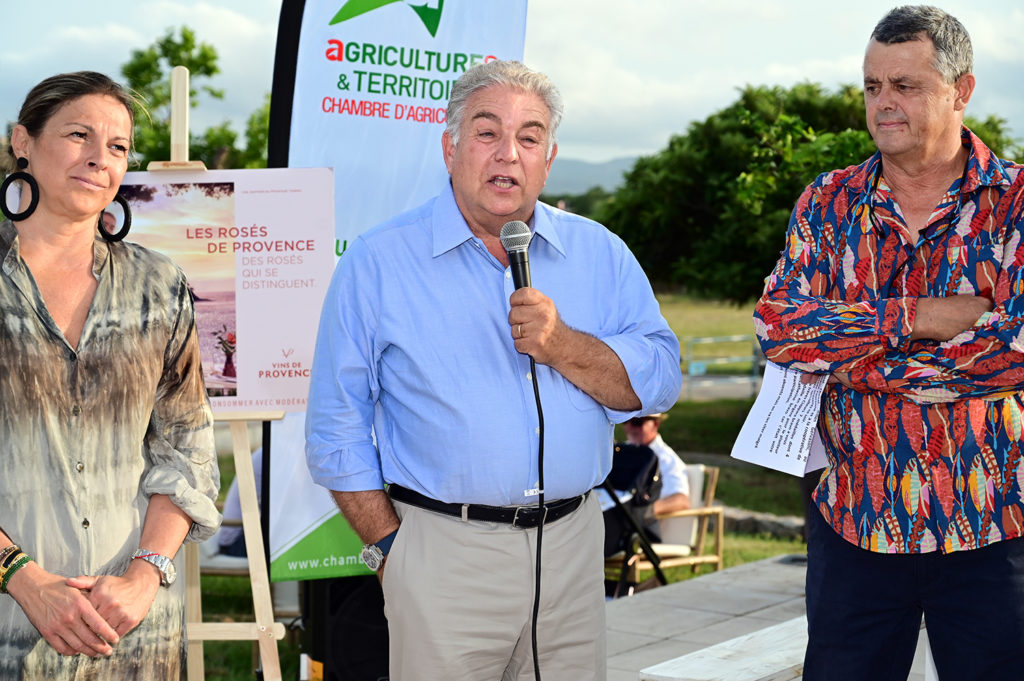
(675, 485)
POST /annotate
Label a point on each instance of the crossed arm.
(925, 349)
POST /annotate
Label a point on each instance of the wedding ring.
(519, 330)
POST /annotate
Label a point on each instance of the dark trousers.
(864, 611)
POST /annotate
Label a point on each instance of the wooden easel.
(265, 631)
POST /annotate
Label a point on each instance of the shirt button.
(74, 356)
(529, 376)
(85, 523)
(79, 466)
(508, 275)
(536, 431)
(76, 410)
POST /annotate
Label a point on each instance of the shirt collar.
(544, 226)
(984, 169)
(448, 226)
(451, 230)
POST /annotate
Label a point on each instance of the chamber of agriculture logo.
(429, 11)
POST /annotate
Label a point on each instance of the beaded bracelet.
(8, 551)
(8, 561)
(23, 559)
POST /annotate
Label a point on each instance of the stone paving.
(670, 621)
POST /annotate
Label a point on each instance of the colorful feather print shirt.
(924, 453)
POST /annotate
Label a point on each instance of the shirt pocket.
(981, 259)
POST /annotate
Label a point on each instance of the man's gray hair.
(953, 53)
(510, 74)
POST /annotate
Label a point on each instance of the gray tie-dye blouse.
(87, 435)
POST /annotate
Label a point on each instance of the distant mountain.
(569, 176)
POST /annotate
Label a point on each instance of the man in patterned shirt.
(903, 278)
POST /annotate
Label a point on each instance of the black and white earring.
(108, 221)
(33, 188)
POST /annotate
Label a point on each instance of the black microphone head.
(515, 236)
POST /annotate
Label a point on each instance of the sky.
(632, 73)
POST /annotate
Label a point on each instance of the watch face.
(372, 557)
(164, 564)
(170, 574)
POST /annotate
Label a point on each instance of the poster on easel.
(362, 86)
(257, 248)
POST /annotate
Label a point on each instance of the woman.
(107, 460)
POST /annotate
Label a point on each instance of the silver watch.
(373, 555)
(164, 564)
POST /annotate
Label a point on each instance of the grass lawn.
(739, 549)
(708, 427)
(692, 318)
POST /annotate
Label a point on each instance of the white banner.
(370, 92)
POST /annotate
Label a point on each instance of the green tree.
(672, 204)
(709, 212)
(148, 72)
(257, 137)
(750, 228)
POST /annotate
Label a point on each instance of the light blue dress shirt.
(415, 347)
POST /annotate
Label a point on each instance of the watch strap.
(385, 544)
(161, 563)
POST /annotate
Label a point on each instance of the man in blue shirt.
(422, 381)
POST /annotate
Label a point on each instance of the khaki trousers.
(458, 596)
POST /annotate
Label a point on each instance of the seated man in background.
(675, 485)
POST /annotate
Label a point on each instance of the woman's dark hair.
(43, 101)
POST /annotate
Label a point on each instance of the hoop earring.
(29, 181)
(117, 236)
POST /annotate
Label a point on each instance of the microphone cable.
(515, 238)
(540, 511)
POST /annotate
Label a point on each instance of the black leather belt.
(516, 516)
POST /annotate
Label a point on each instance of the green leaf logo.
(430, 16)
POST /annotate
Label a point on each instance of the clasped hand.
(84, 615)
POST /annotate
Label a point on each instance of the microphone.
(515, 239)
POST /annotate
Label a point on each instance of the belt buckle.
(529, 513)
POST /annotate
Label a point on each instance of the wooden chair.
(683, 534)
